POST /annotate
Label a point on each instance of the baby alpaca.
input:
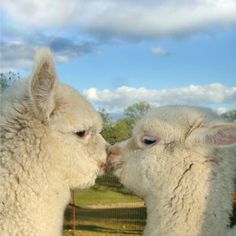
(182, 161)
(50, 143)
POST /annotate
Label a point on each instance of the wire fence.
(108, 209)
(105, 209)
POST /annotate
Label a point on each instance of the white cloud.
(92, 94)
(40, 13)
(116, 100)
(62, 59)
(221, 110)
(125, 17)
(61, 24)
(160, 51)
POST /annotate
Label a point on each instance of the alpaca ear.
(221, 135)
(43, 84)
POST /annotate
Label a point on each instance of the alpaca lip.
(108, 168)
(102, 168)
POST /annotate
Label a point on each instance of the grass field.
(120, 221)
(108, 209)
(106, 191)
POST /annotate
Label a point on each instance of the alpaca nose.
(112, 156)
(113, 150)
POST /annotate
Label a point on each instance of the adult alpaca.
(182, 161)
(50, 143)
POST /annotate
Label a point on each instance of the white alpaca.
(182, 161)
(50, 143)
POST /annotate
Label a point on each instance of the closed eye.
(149, 140)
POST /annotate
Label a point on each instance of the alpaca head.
(165, 144)
(63, 126)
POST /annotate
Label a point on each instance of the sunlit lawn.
(107, 209)
(108, 191)
(121, 221)
(106, 218)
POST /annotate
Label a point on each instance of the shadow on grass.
(136, 214)
(128, 221)
(99, 229)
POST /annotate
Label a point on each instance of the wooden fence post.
(73, 213)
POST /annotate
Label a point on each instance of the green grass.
(103, 195)
(106, 191)
(105, 220)
(121, 221)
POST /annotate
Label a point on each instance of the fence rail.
(105, 209)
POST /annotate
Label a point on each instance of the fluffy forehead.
(73, 112)
(174, 120)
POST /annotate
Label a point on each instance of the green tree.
(230, 115)
(106, 118)
(115, 131)
(118, 131)
(107, 131)
(122, 129)
(6, 79)
(136, 111)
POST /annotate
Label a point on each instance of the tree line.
(121, 129)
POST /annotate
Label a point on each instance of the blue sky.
(117, 53)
